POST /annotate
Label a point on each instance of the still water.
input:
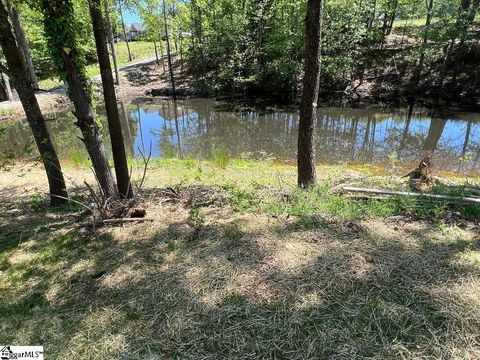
(202, 128)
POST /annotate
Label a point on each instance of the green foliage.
(36, 202)
(233, 233)
(253, 45)
(258, 45)
(471, 210)
(33, 23)
(7, 156)
(79, 158)
(241, 198)
(220, 157)
(63, 28)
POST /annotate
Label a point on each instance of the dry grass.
(220, 284)
(247, 287)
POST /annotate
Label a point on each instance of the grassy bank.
(238, 264)
(139, 50)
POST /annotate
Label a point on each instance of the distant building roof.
(138, 27)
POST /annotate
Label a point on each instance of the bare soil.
(50, 103)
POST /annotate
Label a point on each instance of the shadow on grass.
(242, 287)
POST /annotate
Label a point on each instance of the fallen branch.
(422, 196)
(71, 200)
(126, 220)
(146, 160)
(98, 203)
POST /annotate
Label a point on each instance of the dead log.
(126, 220)
(422, 196)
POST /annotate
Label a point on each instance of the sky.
(130, 17)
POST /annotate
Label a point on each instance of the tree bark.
(55, 13)
(311, 82)
(3, 89)
(22, 81)
(112, 43)
(114, 125)
(22, 41)
(169, 56)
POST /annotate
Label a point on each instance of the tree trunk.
(419, 69)
(406, 129)
(114, 125)
(8, 88)
(392, 15)
(3, 90)
(112, 43)
(125, 36)
(127, 130)
(467, 138)
(466, 15)
(371, 20)
(21, 78)
(311, 82)
(197, 21)
(156, 52)
(55, 24)
(435, 132)
(161, 53)
(472, 11)
(443, 71)
(181, 56)
(169, 56)
(22, 41)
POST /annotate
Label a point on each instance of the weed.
(196, 220)
(36, 202)
(241, 199)
(233, 233)
(220, 157)
(172, 245)
(471, 211)
(79, 159)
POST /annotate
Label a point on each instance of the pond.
(205, 128)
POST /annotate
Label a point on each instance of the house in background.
(136, 31)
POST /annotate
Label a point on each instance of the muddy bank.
(379, 87)
(50, 103)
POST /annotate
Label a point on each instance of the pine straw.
(250, 287)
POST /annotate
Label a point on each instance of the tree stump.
(421, 178)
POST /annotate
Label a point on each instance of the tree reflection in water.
(193, 128)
